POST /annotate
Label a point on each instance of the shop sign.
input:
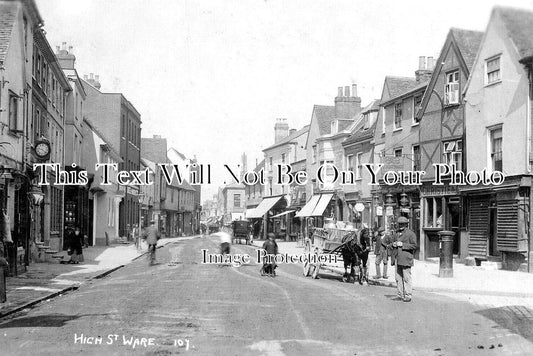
(359, 207)
(379, 210)
(431, 190)
(389, 211)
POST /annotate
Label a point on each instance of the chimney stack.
(65, 58)
(291, 131)
(346, 106)
(157, 136)
(425, 69)
(94, 80)
(281, 130)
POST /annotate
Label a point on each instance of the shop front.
(441, 209)
(498, 222)
(264, 212)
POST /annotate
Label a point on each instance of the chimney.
(291, 131)
(430, 64)
(346, 106)
(157, 136)
(425, 69)
(65, 58)
(281, 130)
(94, 80)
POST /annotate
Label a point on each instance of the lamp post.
(140, 197)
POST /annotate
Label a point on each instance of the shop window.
(433, 216)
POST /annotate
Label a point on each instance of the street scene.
(266, 177)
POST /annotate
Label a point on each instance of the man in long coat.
(405, 246)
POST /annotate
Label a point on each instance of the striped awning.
(265, 205)
(308, 208)
(281, 214)
(322, 204)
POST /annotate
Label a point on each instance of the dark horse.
(354, 251)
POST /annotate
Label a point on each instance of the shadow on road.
(50, 320)
(515, 318)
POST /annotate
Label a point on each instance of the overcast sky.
(212, 76)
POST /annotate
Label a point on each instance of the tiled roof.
(324, 116)
(290, 137)
(343, 124)
(373, 106)
(519, 24)
(8, 15)
(468, 42)
(396, 86)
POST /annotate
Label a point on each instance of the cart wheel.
(315, 272)
(307, 268)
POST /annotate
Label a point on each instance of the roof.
(111, 148)
(234, 186)
(324, 116)
(396, 86)
(289, 138)
(260, 166)
(360, 135)
(468, 42)
(181, 155)
(373, 106)
(519, 25)
(8, 15)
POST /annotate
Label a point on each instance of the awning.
(307, 210)
(265, 205)
(281, 214)
(237, 216)
(249, 213)
(322, 204)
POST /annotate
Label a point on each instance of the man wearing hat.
(405, 246)
(383, 244)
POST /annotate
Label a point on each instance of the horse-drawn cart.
(328, 241)
(241, 231)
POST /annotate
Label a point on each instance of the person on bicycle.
(271, 247)
(151, 235)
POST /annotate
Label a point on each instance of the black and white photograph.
(266, 177)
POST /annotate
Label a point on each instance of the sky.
(213, 76)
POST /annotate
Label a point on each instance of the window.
(492, 70)
(417, 103)
(496, 149)
(283, 158)
(334, 126)
(453, 153)
(358, 165)
(398, 152)
(236, 200)
(383, 120)
(271, 167)
(416, 158)
(270, 185)
(397, 116)
(349, 163)
(451, 91)
(13, 111)
(314, 153)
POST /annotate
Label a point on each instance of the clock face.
(42, 149)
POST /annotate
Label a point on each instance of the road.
(181, 306)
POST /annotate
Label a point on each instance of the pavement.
(46, 280)
(466, 279)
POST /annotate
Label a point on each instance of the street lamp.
(140, 196)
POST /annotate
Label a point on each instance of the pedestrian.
(151, 235)
(382, 250)
(75, 240)
(225, 241)
(271, 247)
(405, 246)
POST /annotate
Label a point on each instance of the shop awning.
(322, 204)
(265, 205)
(308, 208)
(281, 214)
(249, 213)
(237, 216)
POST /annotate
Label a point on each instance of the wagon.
(241, 231)
(325, 241)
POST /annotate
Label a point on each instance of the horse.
(350, 251)
(364, 250)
